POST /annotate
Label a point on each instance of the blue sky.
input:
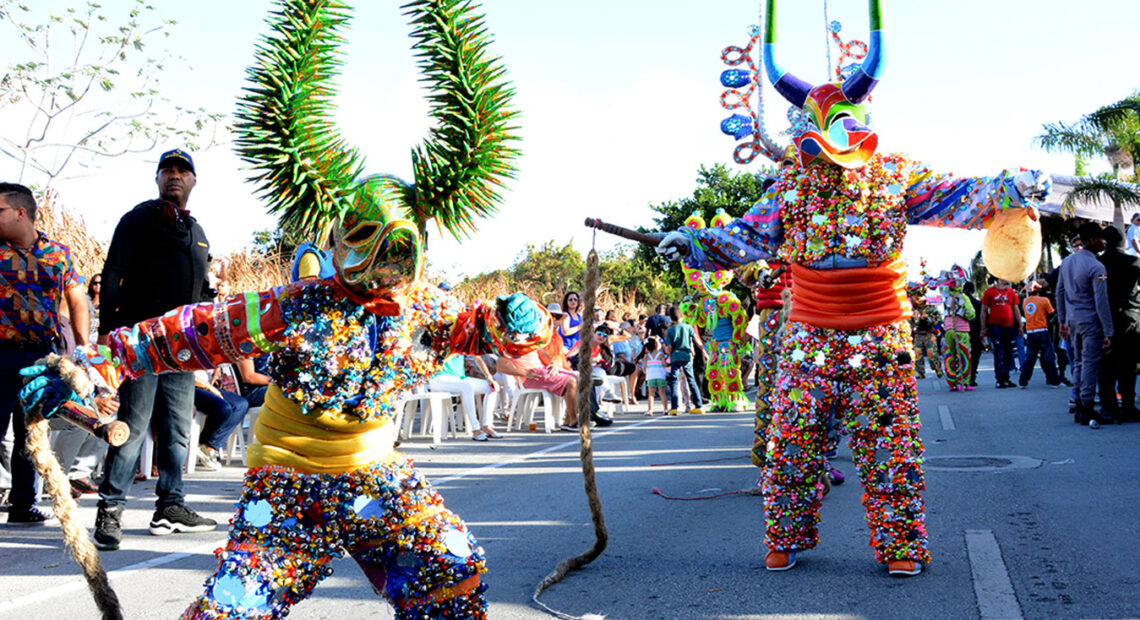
(619, 102)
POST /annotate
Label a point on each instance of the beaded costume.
(770, 313)
(723, 317)
(923, 324)
(838, 217)
(959, 313)
(324, 480)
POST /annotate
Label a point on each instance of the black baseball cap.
(176, 155)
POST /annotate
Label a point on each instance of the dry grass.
(488, 286)
(68, 228)
(248, 270)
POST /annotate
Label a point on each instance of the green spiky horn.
(467, 155)
(284, 130)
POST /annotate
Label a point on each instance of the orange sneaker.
(904, 568)
(780, 560)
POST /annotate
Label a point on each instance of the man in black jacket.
(158, 260)
(1118, 372)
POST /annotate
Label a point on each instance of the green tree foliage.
(276, 242)
(632, 276)
(633, 282)
(549, 270)
(87, 87)
(1113, 132)
(549, 267)
(717, 187)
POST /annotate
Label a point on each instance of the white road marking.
(546, 450)
(126, 571)
(944, 415)
(79, 584)
(996, 599)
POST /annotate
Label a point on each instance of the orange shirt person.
(1038, 340)
(1037, 311)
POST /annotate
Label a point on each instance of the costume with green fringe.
(324, 479)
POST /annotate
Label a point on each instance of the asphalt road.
(1029, 516)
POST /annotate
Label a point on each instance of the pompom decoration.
(1012, 247)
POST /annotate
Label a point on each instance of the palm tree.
(1113, 131)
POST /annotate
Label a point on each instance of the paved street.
(1029, 515)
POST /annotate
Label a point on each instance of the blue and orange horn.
(856, 87)
(859, 85)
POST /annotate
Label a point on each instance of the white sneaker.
(206, 459)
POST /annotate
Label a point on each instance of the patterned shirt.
(32, 285)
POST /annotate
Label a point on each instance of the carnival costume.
(959, 313)
(839, 218)
(324, 480)
(770, 312)
(923, 324)
(719, 312)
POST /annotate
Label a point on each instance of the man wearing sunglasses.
(36, 277)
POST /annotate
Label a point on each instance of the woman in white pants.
(453, 378)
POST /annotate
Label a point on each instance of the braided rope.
(74, 535)
(601, 536)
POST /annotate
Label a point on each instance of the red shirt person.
(1001, 317)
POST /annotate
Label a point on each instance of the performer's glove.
(1033, 185)
(674, 246)
(44, 389)
(766, 279)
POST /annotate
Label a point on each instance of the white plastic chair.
(146, 456)
(526, 401)
(195, 434)
(439, 405)
(251, 420)
(622, 386)
(237, 443)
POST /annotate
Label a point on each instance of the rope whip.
(76, 538)
(586, 453)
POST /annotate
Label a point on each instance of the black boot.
(1083, 414)
(1109, 416)
(108, 527)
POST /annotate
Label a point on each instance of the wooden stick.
(113, 432)
(650, 239)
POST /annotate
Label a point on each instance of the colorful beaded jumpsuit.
(719, 312)
(770, 313)
(324, 479)
(923, 325)
(838, 218)
(959, 313)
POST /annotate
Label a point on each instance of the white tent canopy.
(1100, 210)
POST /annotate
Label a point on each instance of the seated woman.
(605, 363)
(543, 368)
(224, 411)
(569, 325)
(453, 377)
(252, 379)
(626, 347)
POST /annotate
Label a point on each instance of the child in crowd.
(653, 365)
